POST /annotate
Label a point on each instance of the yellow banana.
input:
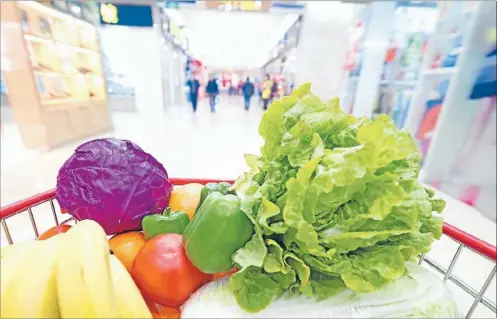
(10, 258)
(129, 298)
(93, 246)
(72, 293)
(6, 251)
(31, 291)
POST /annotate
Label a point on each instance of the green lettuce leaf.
(253, 290)
(273, 262)
(374, 267)
(347, 242)
(324, 286)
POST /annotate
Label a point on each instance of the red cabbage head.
(113, 182)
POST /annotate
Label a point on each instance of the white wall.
(323, 45)
(147, 70)
(135, 52)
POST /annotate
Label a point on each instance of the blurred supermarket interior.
(72, 71)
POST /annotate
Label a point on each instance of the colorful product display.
(430, 117)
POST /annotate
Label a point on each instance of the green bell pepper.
(166, 223)
(218, 229)
(222, 187)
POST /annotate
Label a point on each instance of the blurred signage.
(239, 5)
(126, 15)
(176, 4)
(419, 4)
(175, 32)
(108, 13)
(288, 6)
(172, 32)
(85, 10)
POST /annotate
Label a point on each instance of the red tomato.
(54, 231)
(224, 274)
(163, 272)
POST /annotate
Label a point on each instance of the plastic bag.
(418, 294)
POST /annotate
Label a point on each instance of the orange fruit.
(54, 231)
(126, 246)
(186, 198)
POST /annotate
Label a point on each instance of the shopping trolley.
(464, 240)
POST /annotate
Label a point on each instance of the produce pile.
(332, 204)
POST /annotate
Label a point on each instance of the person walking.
(212, 90)
(194, 85)
(274, 90)
(266, 91)
(247, 90)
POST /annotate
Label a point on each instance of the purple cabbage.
(113, 182)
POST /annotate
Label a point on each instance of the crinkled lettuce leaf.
(335, 201)
(253, 290)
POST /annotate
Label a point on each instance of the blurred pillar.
(145, 52)
(374, 50)
(323, 45)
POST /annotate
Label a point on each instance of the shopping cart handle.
(470, 241)
(22, 205)
(455, 233)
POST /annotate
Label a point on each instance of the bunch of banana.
(71, 275)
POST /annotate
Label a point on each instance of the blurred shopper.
(212, 90)
(266, 91)
(239, 87)
(247, 90)
(194, 86)
(274, 90)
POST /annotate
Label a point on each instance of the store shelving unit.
(455, 19)
(449, 87)
(412, 24)
(54, 76)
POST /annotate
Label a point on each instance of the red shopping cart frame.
(464, 239)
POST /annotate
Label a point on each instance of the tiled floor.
(209, 146)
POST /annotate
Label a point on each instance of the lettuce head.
(335, 201)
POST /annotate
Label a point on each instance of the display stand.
(413, 23)
(459, 135)
(54, 74)
(439, 67)
(441, 136)
(385, 56)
